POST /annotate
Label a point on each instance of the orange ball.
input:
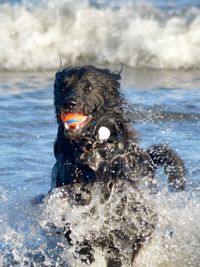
(72, 119)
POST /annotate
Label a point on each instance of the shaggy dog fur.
(84, 159)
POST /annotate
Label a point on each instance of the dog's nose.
(69, 103)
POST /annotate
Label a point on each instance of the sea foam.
(139, 36)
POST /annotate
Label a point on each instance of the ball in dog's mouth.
(74, 121)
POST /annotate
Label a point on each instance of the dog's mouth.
(74, 121)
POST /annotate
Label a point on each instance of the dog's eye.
(104, 133)
(87, 87)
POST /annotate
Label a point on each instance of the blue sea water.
(159, 43)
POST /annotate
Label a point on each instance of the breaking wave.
(33, 34)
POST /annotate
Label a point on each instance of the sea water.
(159, 44)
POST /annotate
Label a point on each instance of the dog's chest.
(112, 161)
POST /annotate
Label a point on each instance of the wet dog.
(96, 146)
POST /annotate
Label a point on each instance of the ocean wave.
(33, 36)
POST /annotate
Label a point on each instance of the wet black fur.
(82, 159)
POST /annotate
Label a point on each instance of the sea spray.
(174, 242)
(112, 227)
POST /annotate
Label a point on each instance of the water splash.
(174, 243)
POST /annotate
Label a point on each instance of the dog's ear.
(59, 77)
(60, 81)
(57, 88)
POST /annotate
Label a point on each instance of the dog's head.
(89, 108)
(86, 91)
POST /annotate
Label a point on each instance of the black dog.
(101, 148)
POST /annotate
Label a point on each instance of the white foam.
(176, 239)
(174, 243)
(139, 36)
